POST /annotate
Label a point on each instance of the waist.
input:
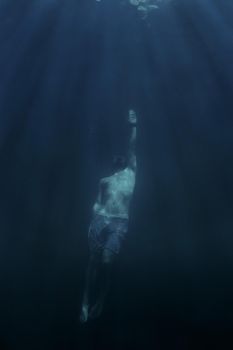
(106, 213)
(110, 217)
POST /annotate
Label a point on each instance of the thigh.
(108, 256)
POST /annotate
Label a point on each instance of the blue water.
(69, 72)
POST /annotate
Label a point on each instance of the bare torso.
(115, 194)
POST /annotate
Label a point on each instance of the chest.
(120, 185)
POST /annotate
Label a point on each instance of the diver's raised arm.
(132, 119)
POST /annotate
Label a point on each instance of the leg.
(105, 275)
(90, 282)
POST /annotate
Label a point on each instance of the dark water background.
(69, 71)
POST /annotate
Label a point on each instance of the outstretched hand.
(132, 118)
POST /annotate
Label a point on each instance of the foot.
(96, 310)
(84, 313)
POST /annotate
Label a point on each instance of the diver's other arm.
(99, 200)
(132, 119)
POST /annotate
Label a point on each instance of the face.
(119, 163)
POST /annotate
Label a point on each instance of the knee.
(107, 257)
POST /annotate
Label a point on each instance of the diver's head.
(119, 163)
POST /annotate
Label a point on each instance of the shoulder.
(129, 171)
(104, 180)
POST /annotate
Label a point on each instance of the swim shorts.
(107, 233)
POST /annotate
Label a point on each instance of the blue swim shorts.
(107, 233)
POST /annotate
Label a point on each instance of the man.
(109, 227)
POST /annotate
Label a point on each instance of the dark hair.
(119, 162)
